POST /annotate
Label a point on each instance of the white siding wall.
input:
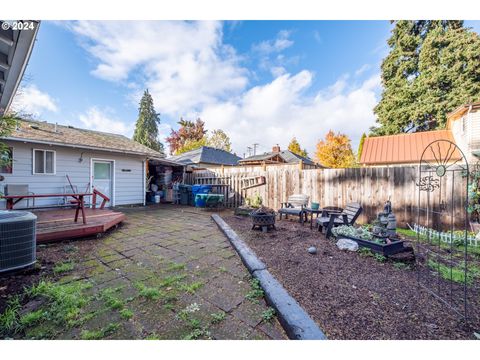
(474, 129)
(460, 130)
(128, 185)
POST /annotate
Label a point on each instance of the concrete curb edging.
(297, 323)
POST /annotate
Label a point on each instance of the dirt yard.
(354, 295)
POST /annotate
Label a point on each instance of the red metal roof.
(403, 148)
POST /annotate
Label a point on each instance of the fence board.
(336, 187)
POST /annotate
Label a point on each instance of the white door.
(102, 179)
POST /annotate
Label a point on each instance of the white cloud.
(104, 120)
(275, 112)
(183, 64)
(32, 101)
(190, 71)
(317, 37)
(277, 71)
(281, 42)
(362, 69)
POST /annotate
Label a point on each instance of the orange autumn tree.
(335, 151)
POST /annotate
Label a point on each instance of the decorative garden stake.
(442, 243)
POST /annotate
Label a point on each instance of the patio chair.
(295, 205)
(14, 189)
(347, 217)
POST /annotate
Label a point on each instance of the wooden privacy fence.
(371, 187)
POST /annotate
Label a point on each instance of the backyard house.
(278, 157)
(41, 155)
(206, 157)
(15, 49)
(463, 129)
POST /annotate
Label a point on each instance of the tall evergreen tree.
(360, 146)
(433, 67)
(146, 128)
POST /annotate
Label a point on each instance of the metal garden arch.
(442, 243)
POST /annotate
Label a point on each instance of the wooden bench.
(295, 205)
(347, 217)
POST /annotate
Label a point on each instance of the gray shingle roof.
(39, 131)
(207, 155)
(287, 155)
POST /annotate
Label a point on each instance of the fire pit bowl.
(263, 218)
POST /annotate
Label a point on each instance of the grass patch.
(32, 318)
(63, 301)
(9, 319)
(197, 334)
(365, 252)
(63, 267)
(268, 314)
(172, 280)
(113, 302)
(218, 317)
(126, 314)
(412, 236)
(256, 292)
(176, 266)
(455, 274)
(99, 334)
(153, 336)
(191, 288)
(379, 257)
(149, 293)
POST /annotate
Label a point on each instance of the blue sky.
(260, 81)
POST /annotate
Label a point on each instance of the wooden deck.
(58, 225)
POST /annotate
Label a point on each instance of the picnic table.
(78, 200)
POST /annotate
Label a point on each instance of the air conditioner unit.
(17, 239)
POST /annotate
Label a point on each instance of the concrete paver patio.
(166, 273)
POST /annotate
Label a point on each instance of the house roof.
(208, 155)
(404, 148)
(47, 133)
(460, 111)
(15, 49)
(286, 155)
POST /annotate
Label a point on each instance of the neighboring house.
(206, 157)
(15, 49)
(277, 156)
(463, 129)
(41, 154)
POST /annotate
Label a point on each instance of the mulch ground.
(352, 296)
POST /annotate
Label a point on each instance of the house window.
(6, 161)
(44, 161)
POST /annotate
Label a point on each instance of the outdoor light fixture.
(80, 159)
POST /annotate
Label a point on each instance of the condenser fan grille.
(17, 240)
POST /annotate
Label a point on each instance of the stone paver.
(166, 273)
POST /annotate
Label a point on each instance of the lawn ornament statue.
(386, 223)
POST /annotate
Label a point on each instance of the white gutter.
(24, 35)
